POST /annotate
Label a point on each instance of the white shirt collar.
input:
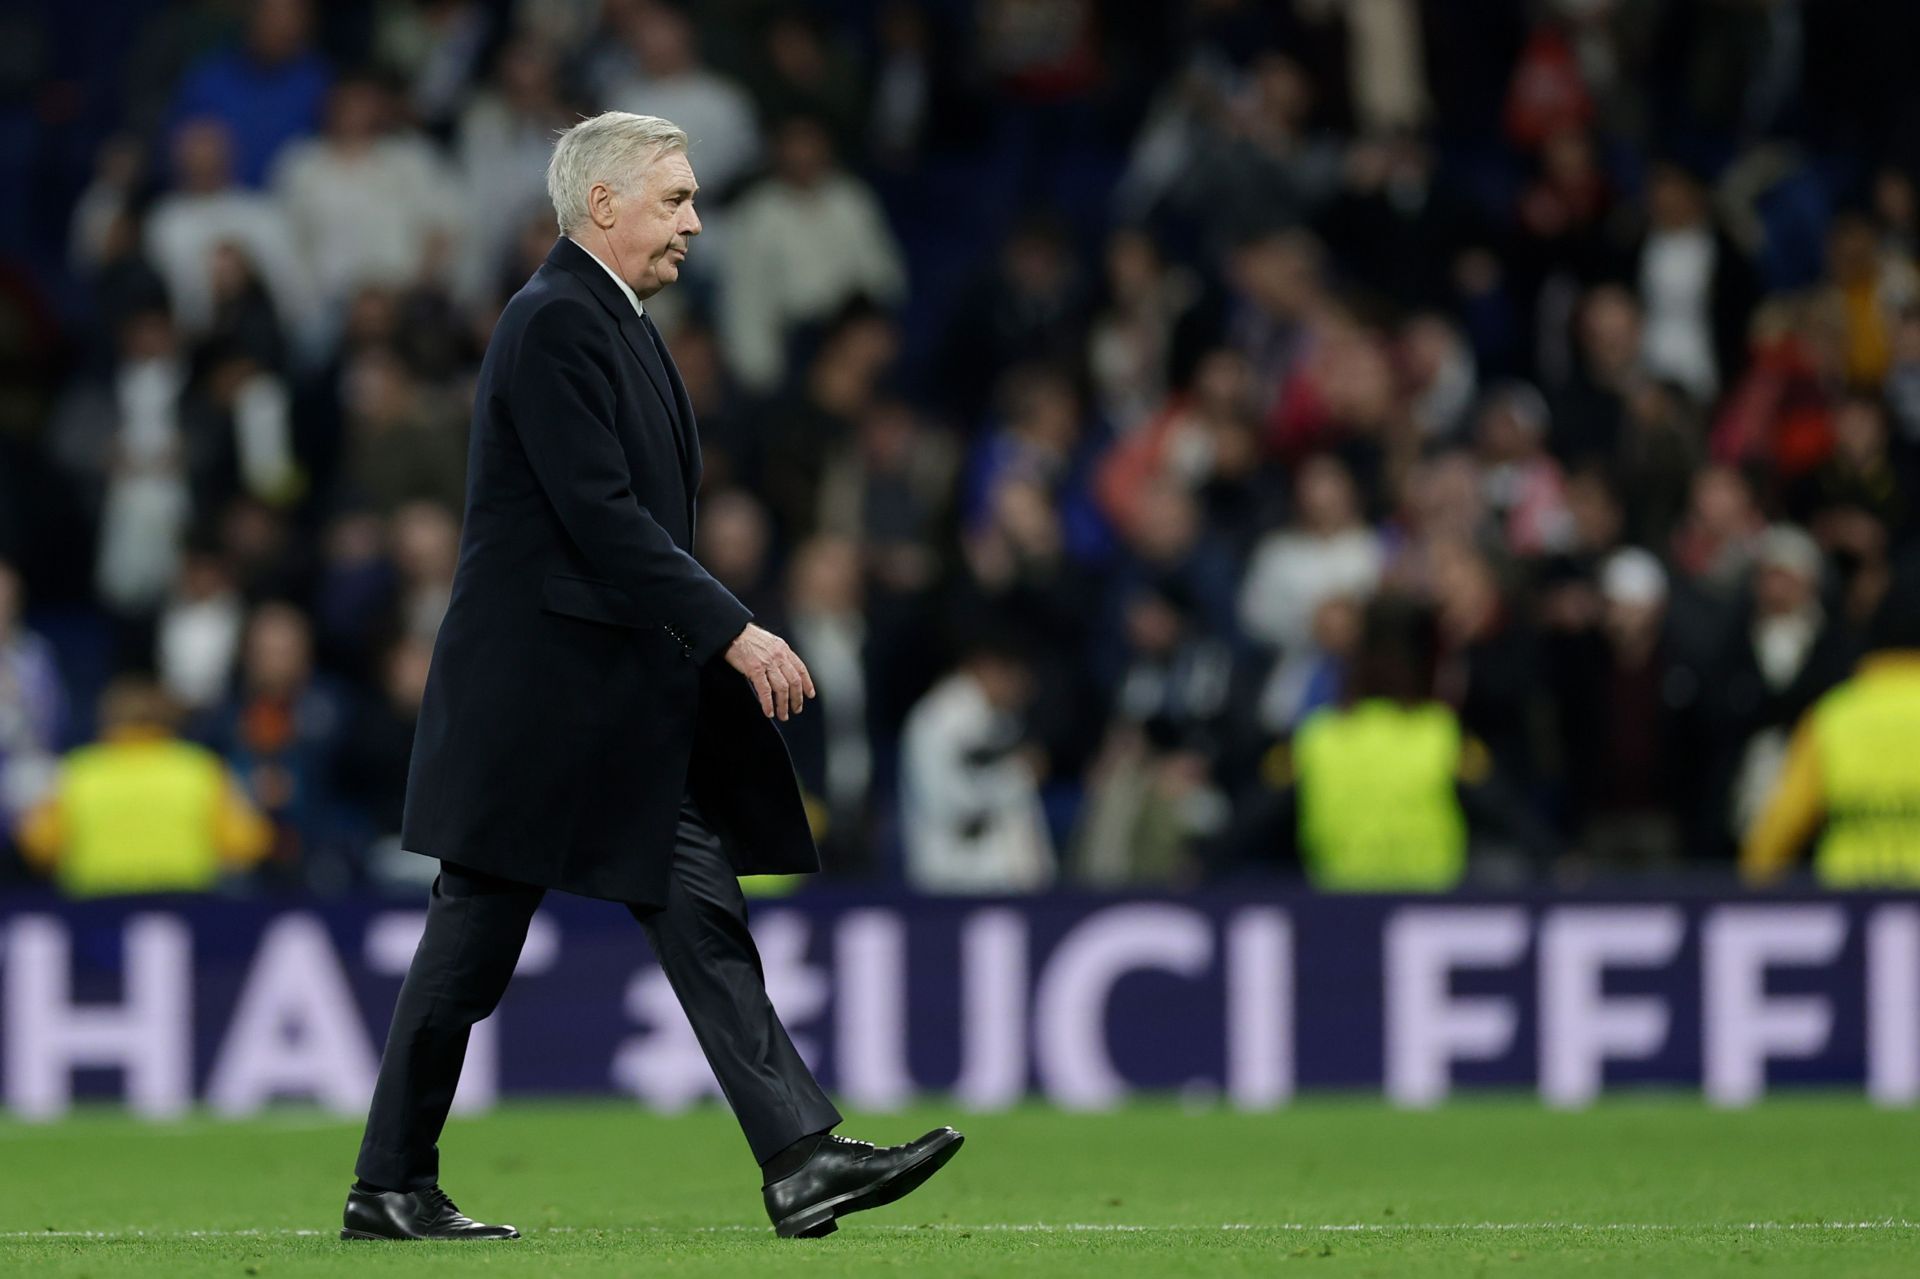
(624, 286)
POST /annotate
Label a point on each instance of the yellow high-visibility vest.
(141, 815)
(1867, 743)
(1378, 809)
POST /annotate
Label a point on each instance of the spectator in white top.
(1130, 348)
(33, 704)
(1676, 282)
(804, 243)
(436, 45)
(832, 753)
(1328, 552)
(367, 205)
(505, 136)
(425, 540)
(206, 209)
(1522, 479)
(1787, 656)
(129, 445)
(970, 794)
(672, 82)
(197, 635)
(1695, 285)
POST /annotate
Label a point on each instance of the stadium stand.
(1138, 347)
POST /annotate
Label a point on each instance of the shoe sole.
(361, 1234)
(819, 1220)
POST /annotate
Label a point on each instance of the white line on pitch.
(160, 1234)
(1073, 1227)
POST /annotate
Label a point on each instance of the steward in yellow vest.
(1382, 785)
(1375, 787)
(141, 811)
(1852, 771)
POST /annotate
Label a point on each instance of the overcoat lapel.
(571, 257)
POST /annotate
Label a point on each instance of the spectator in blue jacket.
(267, 90)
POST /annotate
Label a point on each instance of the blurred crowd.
(1075, 381)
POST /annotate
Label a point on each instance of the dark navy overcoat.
(577, 690)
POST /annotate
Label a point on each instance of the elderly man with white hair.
(597, 714)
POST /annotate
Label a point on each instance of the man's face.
(279, 653)
(354, 114)
(1610, 329)
(648, 227)
(1005, 682)
(278, 30)
(1780, 590)
(203, 156)
(803, 154)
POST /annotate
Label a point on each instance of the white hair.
(612, 147)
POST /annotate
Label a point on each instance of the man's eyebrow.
(684, 190)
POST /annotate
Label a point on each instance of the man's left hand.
(779, 678)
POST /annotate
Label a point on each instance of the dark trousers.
(476, 924)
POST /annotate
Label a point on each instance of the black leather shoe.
(420, 1214)
(851, 1176)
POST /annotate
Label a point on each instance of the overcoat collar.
(569, 256)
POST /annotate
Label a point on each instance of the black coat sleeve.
(560, 398)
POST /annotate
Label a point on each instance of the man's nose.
(691, 226)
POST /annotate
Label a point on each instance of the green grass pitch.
(1808, 1185)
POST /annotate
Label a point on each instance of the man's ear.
(600, 205)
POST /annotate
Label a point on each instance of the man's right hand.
(779, 678)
